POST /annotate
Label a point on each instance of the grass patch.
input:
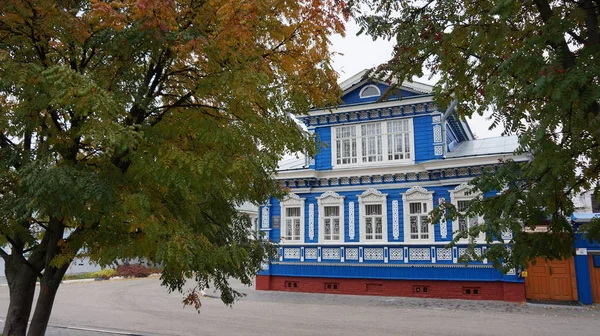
(104, 274)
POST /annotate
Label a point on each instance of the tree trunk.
(21, 284)
(45, 301)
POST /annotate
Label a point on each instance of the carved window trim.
(292, 201)
(422, 195)
(331, 198)
(372, 197)
(463, 193)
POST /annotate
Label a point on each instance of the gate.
(551, 280)
(595, 277)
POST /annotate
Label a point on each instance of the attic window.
(370, 91)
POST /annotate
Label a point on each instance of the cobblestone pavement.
(142, 307)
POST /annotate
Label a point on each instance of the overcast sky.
(361, 52)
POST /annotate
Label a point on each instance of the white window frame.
(362, 95)
(359, 139)
(464, 192)
(291, 201)
(331, 198)
(372, 197)
(413, 195)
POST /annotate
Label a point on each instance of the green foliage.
(535, 65)
(132, 129)
(106, 273)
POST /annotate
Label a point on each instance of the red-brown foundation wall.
(475, 290)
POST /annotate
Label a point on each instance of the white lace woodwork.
(463, 250)
(395, 220)
(291, 253)
(396, 254)
(461, 196)
(373, 253)
(310, 253)
(330, 253)
(265, 217)
(311, 221)
(331, 217)
(292, 219)
(373, 216)
(351, 253)
(417, 202)
(418, 253)
(351, 231)
(444, 254)
(443, 221)
(437, 133)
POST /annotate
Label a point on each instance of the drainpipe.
(444, 117)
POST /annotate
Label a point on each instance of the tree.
(535, 64)
(132, 128)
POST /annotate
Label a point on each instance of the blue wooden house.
(354, 221)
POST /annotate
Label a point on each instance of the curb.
(554, 306)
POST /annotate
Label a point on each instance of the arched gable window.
(370, 91)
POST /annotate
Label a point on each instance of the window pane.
(371, 142)
(372, 209)
(292, 212)
(462, 224)
(296, 230)
(288, 229)
(414, 228)
(369, 92)
(415, 208)
(332, 211)
(345, 144)
(424, 225)
(462, 205)
(398, 139)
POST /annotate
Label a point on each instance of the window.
(331, 217)
(346, 144)
(398, 140)
(464, 222)
(331, 229)
(370, 91)
(291, 231)
(371, 142)
(373, 222)
(389, 141)
(419, 227)
(292, 221)
(417, 202)
(461, 198)
(373, 216)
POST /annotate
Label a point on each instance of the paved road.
(142, 307)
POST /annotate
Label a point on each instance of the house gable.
(356, 94)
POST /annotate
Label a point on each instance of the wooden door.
(551, 280)
(595, 279)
